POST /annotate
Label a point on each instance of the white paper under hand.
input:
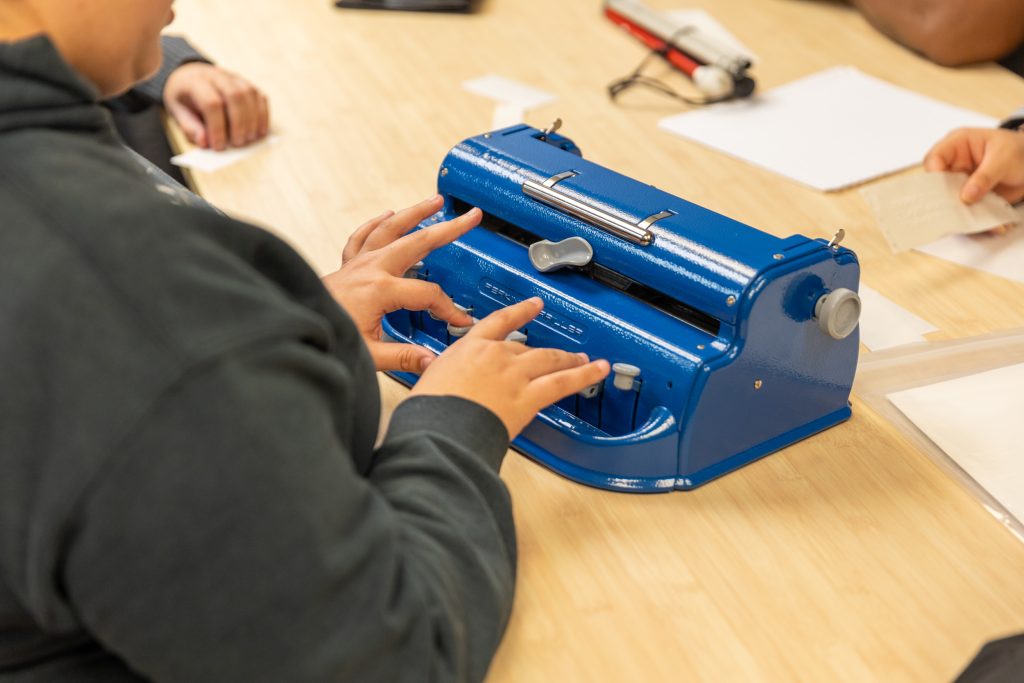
(998, 254)
(209, 160)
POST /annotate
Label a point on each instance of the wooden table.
(849, 556)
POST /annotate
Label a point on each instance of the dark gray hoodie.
(189, 489)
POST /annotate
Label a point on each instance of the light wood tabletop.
(849, 556)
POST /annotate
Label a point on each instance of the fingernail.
(536, 301)
(427, 360)
(387, 214)
(435, 198)
(584, 357)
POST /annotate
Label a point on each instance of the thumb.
(190, 123)
(401, 357)
(976, 187)
(992, 169)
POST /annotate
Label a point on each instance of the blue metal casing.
(717, 315)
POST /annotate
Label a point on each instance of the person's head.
(112, 43)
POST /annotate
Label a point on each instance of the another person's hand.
(216, 108)
(370, 282)
(510, 379)
(992, 158)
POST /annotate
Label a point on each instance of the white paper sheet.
(884, 324)
(209, 160)
(977, 421)
(507, 114)
(707, 24)
(501, 89)
(829, 130)
(1001, 254)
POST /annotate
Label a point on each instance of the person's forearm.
(949, 32)
(257, 550)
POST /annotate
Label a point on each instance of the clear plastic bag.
(908, 367)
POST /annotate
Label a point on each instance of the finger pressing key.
(499, 324)
(557, 385)
(546, 361)
(417, 295)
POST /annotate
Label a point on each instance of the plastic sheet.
(886, 372)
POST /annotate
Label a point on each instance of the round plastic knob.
(838, 312)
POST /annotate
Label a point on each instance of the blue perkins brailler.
(727, 343)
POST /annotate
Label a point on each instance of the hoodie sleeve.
(232, 539)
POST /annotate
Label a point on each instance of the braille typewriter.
(726, 343)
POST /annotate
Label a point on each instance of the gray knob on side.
(547, 255)
(624, 375)
(838, 312)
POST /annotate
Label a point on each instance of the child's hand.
(512, 380)
(993, 158)
(370, 282)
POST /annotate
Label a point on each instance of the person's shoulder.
(198, 280)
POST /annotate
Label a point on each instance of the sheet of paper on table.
(884, 324)
(209, 160)
(513, 99)
(830, 130)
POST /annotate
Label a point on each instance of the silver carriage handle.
(546, 193)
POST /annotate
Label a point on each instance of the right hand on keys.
(512, 380)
